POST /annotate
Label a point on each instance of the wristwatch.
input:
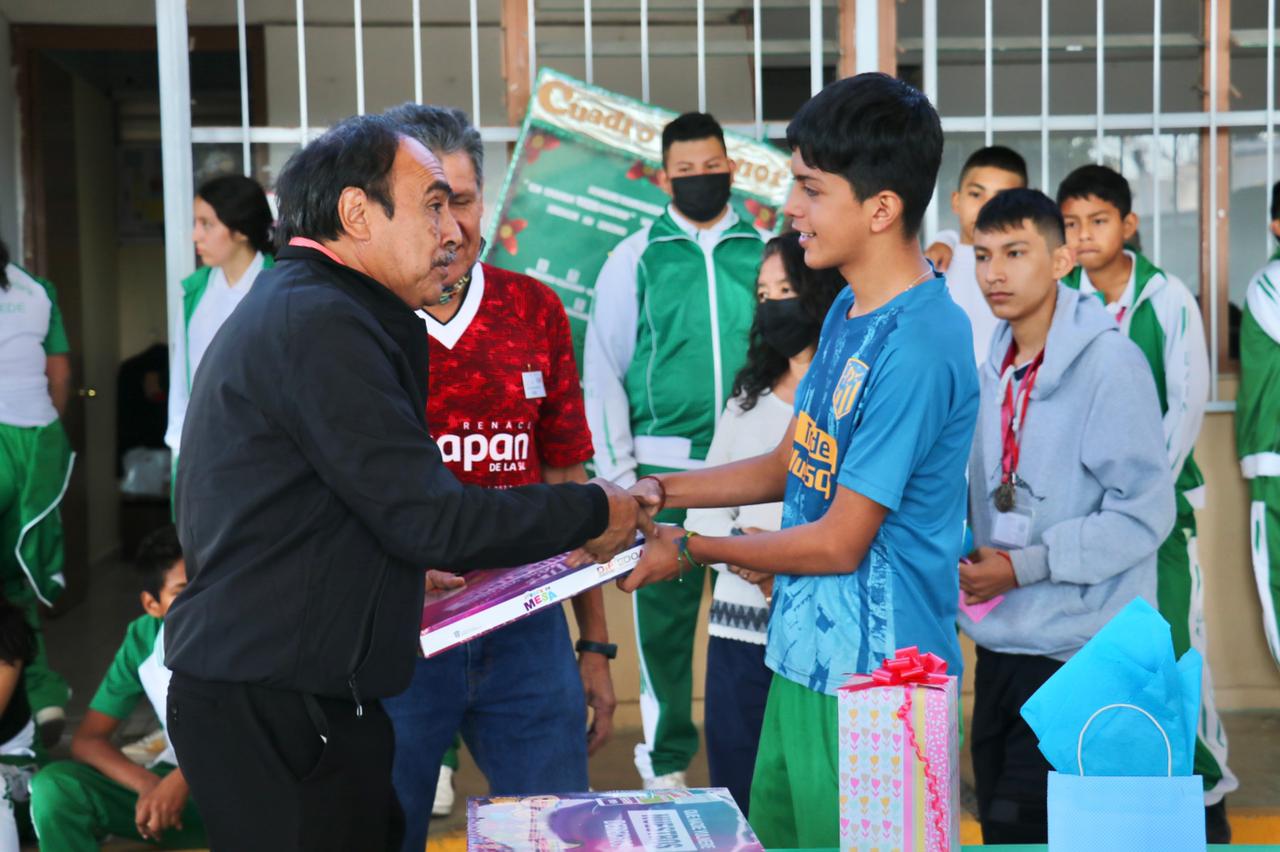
(607, 649)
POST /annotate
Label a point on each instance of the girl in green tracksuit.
(233, 238)
(35, 466)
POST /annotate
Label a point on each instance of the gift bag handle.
(1099, 712)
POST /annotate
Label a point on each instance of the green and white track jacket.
(1258, 401)
(1158, 313)
(668, 331)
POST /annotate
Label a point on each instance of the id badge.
(1012, 530)
(534, 388)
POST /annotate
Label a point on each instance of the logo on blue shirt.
(847, 388)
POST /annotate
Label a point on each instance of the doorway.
(92, 223)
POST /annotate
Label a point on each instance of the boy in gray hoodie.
(1069, 495)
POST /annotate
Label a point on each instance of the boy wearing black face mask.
(668, 332)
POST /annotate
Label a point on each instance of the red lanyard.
(1013, 411)
(305, 242)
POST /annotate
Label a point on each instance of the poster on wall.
(584, 175)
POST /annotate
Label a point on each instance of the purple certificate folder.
(619, 821)
(494, 597)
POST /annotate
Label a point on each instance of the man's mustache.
(444, 259)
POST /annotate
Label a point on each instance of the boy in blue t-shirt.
(872, 473)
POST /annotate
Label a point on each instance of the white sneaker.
(672, 780)
(443, 805)
(144, 751)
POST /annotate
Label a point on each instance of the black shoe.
(1217, 828)
(51, 732)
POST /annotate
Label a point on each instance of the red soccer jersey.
(504, 398)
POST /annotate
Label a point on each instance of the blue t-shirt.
(888, 410)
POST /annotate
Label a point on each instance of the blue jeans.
(516, 697)
(737, 688)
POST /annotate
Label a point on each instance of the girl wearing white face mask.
(793, 301)
(232, 234)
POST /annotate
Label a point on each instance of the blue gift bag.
(1125, 814)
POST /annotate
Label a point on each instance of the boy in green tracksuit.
(1258, 428)
(668, 332)
(35, 466)
(75, 803)
(1158, 313)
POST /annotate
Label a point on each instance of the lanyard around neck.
(1013, 410)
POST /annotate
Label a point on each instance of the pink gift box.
(899, 757)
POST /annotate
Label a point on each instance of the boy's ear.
(733, 171)
(1130, 223)
(1062, 260)
(664, 181)
(150, 605)
(885, 211)
(1275, 228)
(955, 202)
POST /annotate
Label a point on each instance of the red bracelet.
(1009, 559)
(662, 490)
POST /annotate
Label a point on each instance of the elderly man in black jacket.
(310, 501)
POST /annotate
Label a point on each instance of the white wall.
(140, 294)
(331, 84)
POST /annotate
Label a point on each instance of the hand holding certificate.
(458, 609)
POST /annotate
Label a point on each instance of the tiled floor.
(82, 643)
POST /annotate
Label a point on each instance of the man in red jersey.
(505, 408)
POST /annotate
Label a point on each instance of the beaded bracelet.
(683, 556)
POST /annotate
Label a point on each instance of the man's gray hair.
(443, 130)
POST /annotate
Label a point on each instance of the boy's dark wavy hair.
(158, 552)
(815, 288)
(876, 132)
(1102, 182)
(1009, 209)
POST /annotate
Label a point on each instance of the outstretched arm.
(762, 479)
(834, 544)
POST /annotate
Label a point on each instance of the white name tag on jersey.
(1012, 530)
(534, 387)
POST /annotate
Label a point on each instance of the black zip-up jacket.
(311, 499)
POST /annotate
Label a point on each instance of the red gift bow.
(909, 667)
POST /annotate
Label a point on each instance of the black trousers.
(1011, 775)
(276, 770)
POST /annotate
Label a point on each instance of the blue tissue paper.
(1129, 661)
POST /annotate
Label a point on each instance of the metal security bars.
(535, 32)
(1213, 121)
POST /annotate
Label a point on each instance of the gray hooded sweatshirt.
(1093, 468)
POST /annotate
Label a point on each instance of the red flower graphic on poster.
(537, 144)
(766, 216)
(506, 235)
(642, 170)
